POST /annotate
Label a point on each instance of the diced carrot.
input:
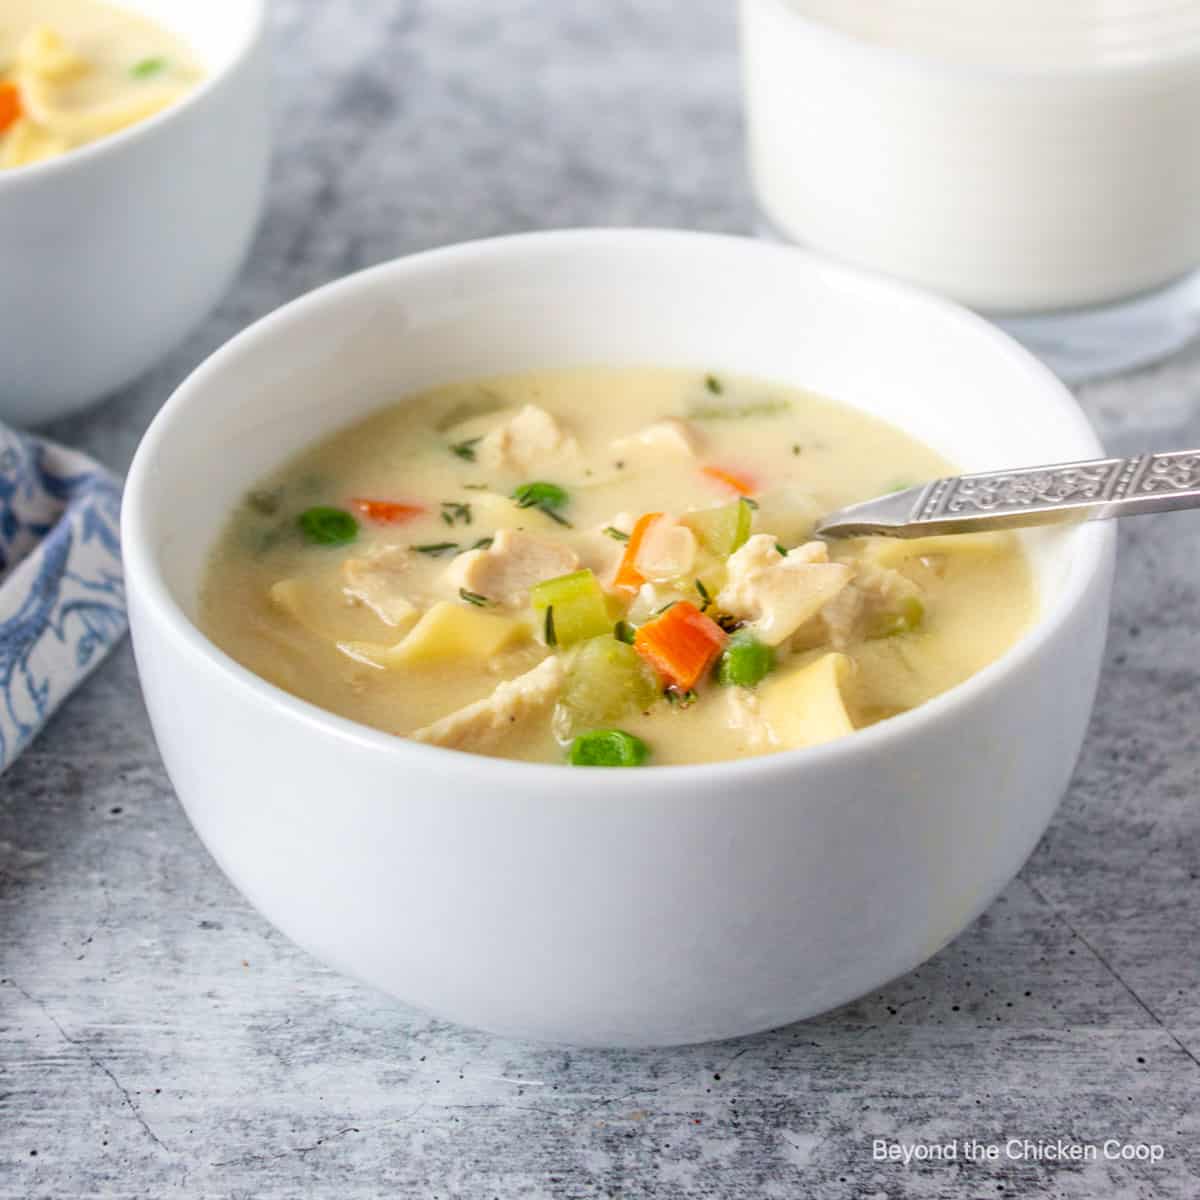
(10, 105)
(628, 578)
(386, 512)
(680, 644)
(742, 484)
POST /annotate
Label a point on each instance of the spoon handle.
(1078, 491)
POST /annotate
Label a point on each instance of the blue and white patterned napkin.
(62, 594)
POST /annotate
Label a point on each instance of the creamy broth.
(74, 71)
(440, 593)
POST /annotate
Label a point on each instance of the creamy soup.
(606, 567)
(73, 71)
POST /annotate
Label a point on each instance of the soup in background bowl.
(635, 907)
(75, 71)
(606, 568)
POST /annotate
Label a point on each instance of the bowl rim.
(113, 143)
(1093, 542)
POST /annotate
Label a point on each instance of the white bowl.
(110, 254)
(658, 906)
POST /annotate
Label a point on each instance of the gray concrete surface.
(158, 1039)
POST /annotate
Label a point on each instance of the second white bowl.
(110, 254)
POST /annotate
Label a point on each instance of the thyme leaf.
(454, 511)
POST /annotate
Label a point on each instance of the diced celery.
(721, 530)
(571, 608)
(605, 681)
(905, 619)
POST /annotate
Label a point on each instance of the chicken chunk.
(482, 725)
(382, 580)
(777, 593)
(873, 594)
(668, 436)
(510, 566)
(524, 441)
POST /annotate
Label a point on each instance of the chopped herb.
(265, 503)
(713, 384)
(549, 512)
(551, 638)
(677, 699)
(748, 501)
(619, 464)
(728, 623)
(796, 449)
(781, 548)
(703, 594)
(475, 487)
(466, 450)
(436, 549)
(669, 604)
(616, 535)
(624, 632)
(326, 526)
(147, 68)
(483, 543)
(734, 412)
(454, 511)
(474, 598)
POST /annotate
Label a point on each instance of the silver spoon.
(1078, 491)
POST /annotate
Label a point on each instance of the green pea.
(607, 748)
(745, 661)
(327, 526)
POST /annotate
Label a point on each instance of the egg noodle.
(55, 96)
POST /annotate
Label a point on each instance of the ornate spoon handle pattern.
(1079, 491)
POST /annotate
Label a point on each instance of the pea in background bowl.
(639, 907)
(112, 253)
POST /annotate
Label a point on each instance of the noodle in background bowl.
(637, 907)
(111, 253)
